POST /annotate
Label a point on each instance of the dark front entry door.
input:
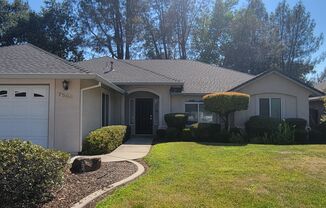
(144, 116)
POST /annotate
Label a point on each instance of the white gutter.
(81, 112)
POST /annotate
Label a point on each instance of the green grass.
(198, 175)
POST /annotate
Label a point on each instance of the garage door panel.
(24, 117)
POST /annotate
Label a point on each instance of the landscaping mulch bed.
(78, 186)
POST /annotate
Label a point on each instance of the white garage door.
(24, 113)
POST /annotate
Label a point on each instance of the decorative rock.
(83, 165)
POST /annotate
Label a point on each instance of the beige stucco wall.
(92, 106)
(67, 116)
(294, 98)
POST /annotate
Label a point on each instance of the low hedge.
(176, 120)
(205, 131)
(258, 126)
(29, 173)
(105, 140)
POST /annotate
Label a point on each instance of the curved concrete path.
(134, 148)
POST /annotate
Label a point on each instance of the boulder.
(83, 165)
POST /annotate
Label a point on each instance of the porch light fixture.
(65, 84)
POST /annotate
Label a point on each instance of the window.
(105, 109)
(270, 107)
(19, 93)
(3, 93)
(197, 113)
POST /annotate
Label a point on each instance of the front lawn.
(185, 174)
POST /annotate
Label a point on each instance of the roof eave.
(61, 76)
(149, 83)
(309, 88)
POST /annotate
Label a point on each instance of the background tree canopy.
(247, 38)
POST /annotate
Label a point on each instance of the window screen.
(276, 108)
(192, 110)
(264, 107)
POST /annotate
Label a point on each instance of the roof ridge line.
(58, 58)
(145, 69)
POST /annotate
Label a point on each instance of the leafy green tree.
(248, 48)
(226, 103)
(212, 32)
(10, 15)
(109, 27)
(295, 34)
(50, 30)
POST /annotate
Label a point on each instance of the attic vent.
(107, 69)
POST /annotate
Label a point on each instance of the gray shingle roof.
(29, 59)
(197, 77)
(125, 72)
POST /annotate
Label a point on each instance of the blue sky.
(317, 9)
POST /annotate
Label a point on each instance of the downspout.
(81, 112)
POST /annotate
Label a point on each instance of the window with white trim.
(105, 109)
(270, 107)
(197, 113)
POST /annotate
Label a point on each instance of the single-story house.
(56, 103)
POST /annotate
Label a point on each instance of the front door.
(144, 116)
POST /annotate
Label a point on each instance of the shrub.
(258, 126)
(299, 123)
(29, 173)
(186, 134)
(172, 133)
(317, 135)
(104, 140)
(222, 136)
(176, 120)
(236, 138)
(205, 131)
(264, 139)
(226, 103)
(284, 134)
(160, 133)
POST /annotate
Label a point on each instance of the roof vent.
(249, 71)
(111, 67)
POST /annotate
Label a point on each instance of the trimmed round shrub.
(176, 120)
(258, 126)
(225, 103)
(105, 140)
(205, 131)
(29, 173)
(299, 123)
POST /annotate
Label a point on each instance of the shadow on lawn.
(207, 143)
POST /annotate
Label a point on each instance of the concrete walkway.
(134, 148)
